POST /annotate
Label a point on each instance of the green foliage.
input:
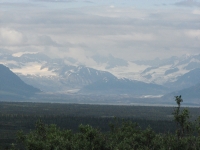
(89, 138)
(130, 136)
(124, 135)
(182, 119)
(46, 137)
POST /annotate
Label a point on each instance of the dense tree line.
(122, 135)
(87, 110)
(10, 124)
(16, 116)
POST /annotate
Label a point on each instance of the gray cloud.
(44, 40)
(17, 5)
(188, 3)
(128, 32)
(53, 0)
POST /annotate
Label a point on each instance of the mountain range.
(116, 86)
(110, 75)
(169, 70)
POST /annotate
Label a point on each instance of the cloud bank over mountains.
(126, 29)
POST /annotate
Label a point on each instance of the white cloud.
(34, 68)
(11, 37)
(196, 12)
(19, 54)
(195, 34)
(42, 40)
(126, 32)
(80, 55)
(131, 37)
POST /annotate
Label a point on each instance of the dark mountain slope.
(11, 85)
(123, 86)
(187, 80)
(190, 93)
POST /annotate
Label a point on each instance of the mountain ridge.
(12, 86)
(57, 75)
(123, 86)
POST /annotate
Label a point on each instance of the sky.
(127, 29)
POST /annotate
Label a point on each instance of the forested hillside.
(123, 135)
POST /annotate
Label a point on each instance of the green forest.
(40, 126)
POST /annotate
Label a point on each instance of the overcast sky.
(128, 29)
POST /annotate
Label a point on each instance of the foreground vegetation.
(120, 135)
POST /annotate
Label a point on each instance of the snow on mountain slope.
(159, 71)
(52, 75)
(131, 71)
(163, 74)
(59, 75)
(169, 70)
(187, 80)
